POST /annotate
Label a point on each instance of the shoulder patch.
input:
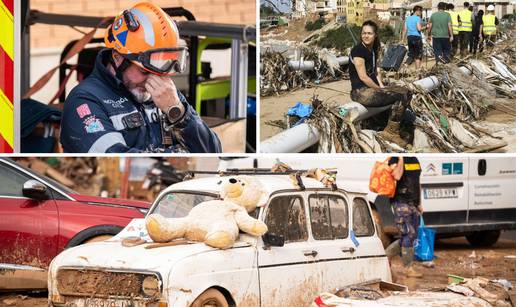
(93, 124)
(83, 110)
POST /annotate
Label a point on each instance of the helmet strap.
(119, 70)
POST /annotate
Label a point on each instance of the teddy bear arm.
(162, 229)
(249, 224)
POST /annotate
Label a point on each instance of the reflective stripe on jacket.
(465, 21)
(454, 21)
(489, 26)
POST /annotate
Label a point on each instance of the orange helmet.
(147, 36)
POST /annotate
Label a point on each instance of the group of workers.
(450, 31)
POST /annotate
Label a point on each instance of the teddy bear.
(216, 222)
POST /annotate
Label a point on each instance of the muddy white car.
(318, 239)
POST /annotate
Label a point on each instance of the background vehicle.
(318, 239)
(40, 218)
(461, 196)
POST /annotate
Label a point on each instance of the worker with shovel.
(407, 210)
(367, 87)
(129, 103)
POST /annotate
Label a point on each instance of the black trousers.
(465, 38)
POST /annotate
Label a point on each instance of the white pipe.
(302, 136)
(343, 60)
(310, 65)
(301, 65)
(295, 139)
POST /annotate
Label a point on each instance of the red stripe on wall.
(4, 146)
(10, 5)
(7, 75)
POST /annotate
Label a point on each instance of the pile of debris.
(468, 292)
(448, 104)
(77, 173)
(279, 74)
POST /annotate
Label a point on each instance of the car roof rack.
(328, 178)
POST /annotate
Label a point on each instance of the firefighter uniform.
(101, 116)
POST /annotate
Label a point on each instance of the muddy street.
(453, 256)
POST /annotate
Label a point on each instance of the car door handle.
(310, 253)
(348, 249)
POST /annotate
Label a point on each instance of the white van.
(318, 239)
(471, 196)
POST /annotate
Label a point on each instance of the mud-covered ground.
(453, 256)
(273, 108)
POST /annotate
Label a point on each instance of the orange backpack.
(381, 180)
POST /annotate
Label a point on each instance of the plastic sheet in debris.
(417, 298)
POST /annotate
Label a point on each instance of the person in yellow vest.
(465, 28)
(455, 26)
(489, 26)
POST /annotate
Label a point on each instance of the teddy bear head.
(245, 191)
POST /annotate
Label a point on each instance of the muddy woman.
(368, 89)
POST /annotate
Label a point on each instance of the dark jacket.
(101, 116)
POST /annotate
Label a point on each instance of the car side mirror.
(35, 190)
(270, 239)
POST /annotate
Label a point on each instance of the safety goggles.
(162, 61)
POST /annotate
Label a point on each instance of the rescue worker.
(465, 28)
(455, 27)
(489, 26)
(407, 210)
(129, 103)
(367, 87)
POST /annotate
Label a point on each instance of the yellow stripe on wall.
(6, 119)
(7, 32)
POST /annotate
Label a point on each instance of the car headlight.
(144, 211)
(150, 286)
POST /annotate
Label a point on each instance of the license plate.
(97, 302)
(441, 193)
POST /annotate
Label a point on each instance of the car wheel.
(98, 238)
(386, 240)
(483, 238)
(210, 297)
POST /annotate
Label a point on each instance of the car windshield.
(179, 203)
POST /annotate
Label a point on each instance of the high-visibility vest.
(465, 21)
(489, 27)
(454, 21)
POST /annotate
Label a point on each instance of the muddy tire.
(210, 298)
(98, 239)
(386, 239)
(483, 238)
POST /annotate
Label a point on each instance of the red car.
(40, 217)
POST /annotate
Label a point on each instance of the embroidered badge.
(93, 124)
(116, 104)
(83, 110)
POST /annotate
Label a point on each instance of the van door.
(492, 189)
(289, 275)
(444, 190)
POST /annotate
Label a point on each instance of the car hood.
(111, 254)
(111, 201)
